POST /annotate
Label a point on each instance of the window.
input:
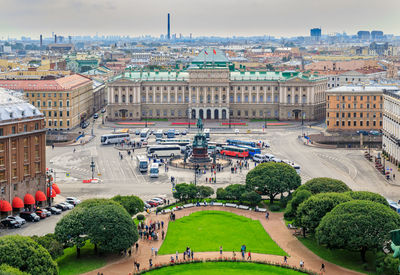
(60, 103)
(276, 98)
(354, 123)
(25, 128)
(130, 98)
(67, 103)
(14, 172)
(13, 130)
(68, 113)
(261, 98)
(361, 123)
(61, 113)
(67, 123)
(246, 113)
(367, 123)
(349, 123)
(1, 132)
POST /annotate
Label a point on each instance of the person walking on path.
(233, 255)
(184, 255)
(177, 255)
(285, 259)
(162, 234)
(242, 254)
(137, 247)
(267, 215)
(138, 266)
(191, 254)
(301, 264)
(322, 267)
(220, 250)
(152, 251)
(249, 256)
(150, 263)
(156, 251)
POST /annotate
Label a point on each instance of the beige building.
(65, 102)
(391, 125)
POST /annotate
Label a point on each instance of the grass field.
(224, 268)
(345, 258)
(207, 230)
(69, 265)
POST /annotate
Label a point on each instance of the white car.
(68, 205)
(160, 201)
(259, 158)
(237, 131)
(276, 160)
(73, 199)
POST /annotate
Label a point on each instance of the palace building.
(210, 88)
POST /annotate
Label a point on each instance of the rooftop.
(12, 107)
(358, 88)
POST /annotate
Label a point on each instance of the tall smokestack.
(55, 39)
(169, 28)
(41, 41)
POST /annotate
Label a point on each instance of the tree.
(298, 197)
(222, 194)
(6, 269)
(235, 191)
(324, 185)
(366, 195)
(272, 179)
(251, 196)
(311, 211)
(72, 229)
(51, 244)
(357, 225)
(204, 191)
(132, 204)
(184, 192)
(269, 67)
(26, 255)
(95, 202)
(111, 228)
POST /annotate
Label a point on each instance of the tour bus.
(171, 133)
(114, 138)
(252, 150)
(154, 170)
(156, 151)
(159, 135)
(296, 167)
(144, 134)
(175, 141)
(234, 151)
(142, 163)
(218, 145)
(236, 142)
(207, 133)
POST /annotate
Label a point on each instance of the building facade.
(22, 150)
(65, 102)
(391, 125)
(351, 108)
(216, 92)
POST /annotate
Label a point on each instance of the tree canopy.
(6, 269)
(298, 197)
(272, 179)
(357, 225)
(132, 204)
(324, 185)
(185, 192)
(51, 244)
(26, 255)
(366, 195)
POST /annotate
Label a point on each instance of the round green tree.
(272, 179)
(95, 202)
(324, 185)
(52, 245)
(26, 255)
(204, 191)
(132, 204)
(298, 197)
(367, 196)
(311, 211)
(6, 269)
(357, 225)
(235, 191)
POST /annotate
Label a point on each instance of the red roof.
(56, 188)
(17, 203)
(28, 199)
(53, 193)
(62, 84)
(5, 206)
(40, 196)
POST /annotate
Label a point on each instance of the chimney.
(55, 39)
(41, 41)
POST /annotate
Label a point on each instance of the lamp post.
(229, 118)
(92, 166)
(265, 120)
(189, 114)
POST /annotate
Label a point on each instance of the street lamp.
(92, 166)
(229, 118)
(189, 114)
(265, 120)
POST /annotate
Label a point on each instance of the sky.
(201, 18)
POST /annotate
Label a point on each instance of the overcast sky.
(205, 17)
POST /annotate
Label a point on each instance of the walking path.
(275, 227)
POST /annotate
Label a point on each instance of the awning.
(40, 196)
(5, 206)
(53, 193)
(28, 199)
(56, 188)
(17, 203)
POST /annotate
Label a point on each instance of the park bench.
(243, 207)
(188, 205)
(297, 232)
(231, 205)
(261, 210)
(291, 226)
(217, 204)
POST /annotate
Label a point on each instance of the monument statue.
(200, 124)
(200, 146)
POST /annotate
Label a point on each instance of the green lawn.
(345, 258)
(223, 268)
(207, 230)
(69, 265)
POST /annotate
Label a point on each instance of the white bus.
(159, 135)
(144, 134)
(154, 169)
(157, 151)
(296, 167)
(207, 133)
(115, 138)
(142, 163)
(175, 141)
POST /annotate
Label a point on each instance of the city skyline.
(209, 18)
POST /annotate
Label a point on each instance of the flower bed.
(234, 123)
(135, 123)
(183, 123)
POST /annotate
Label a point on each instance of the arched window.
(116, 99)
(304, 99)
(123, 99)
(289, 99)
(208, 98)
(131, 98)
(296, 99)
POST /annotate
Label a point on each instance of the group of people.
(187, 255)
(150, 232)
(240, 164)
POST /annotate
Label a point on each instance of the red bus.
(234, 151)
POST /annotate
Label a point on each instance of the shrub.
(274, 207)
(140, 217)
(386, 264)
(6, 269)
(221, 194)
(132, 204)
(50, 243)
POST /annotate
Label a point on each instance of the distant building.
(351, 108)
(65, 102)
(363, 35)
(378, 48)
(376, 35)
(391, 125)
(355, 77)
(64, 48)
(315, 33)
(22, 155)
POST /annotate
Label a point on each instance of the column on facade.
(258, 94)
(265, 95)
(120, 95)
(176, 95)
(212, 95)
(308, 95)
(235, 94)
(190, 95)
(111, 95)
(242, 94)
(282, 98)
(169, 94)
(197, 95)
(220, 95)
(147, 95)
(154, 96)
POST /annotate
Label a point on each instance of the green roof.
(154, 76)
(218, 58)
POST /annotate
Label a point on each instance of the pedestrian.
(233, 255)
(285, 259)
(130, 252)
(220, 250)
(177, 255)
(301, 264)
(184, 255)
(242, 254)
(152, 251)
(191, 254)
(137, 247)
(150, 263)
(135, 265)
(206, 179)
(162, 234)
(156, 251)
(138, 266)
(322, 267)
(172, 259)
(162, 224)
(394, 176)
(249, 256)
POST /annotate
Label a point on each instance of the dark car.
(85, 124)
(53, 210)
(10, 223)
(96, 116)
(61, 207)
(103, 111)
(363, 132)
(29, 216)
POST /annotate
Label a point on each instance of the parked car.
(96, 116)
(184, 132)
(85, 124)
(70, 206)
(62, 207)
(103, 111)
(137, 132)
(158, 200)
(259, 158)
(266, 145)
(41, 214)
(47, 212)
(276, 160)
(73, 199)
(375, 133)
(29, 216)
(237, 131)
(17, 218)
(363, 132)
(10, 223)
(54, 210)
(146, 205)
(152, 203)
(177, 132)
